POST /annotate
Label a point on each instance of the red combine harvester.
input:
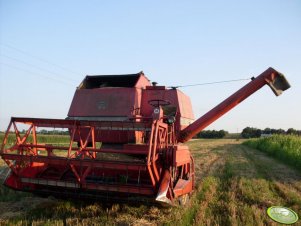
(125, 142)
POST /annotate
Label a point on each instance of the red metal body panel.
(108, 102)
(123, 102)
(183, 108)
(181, 155)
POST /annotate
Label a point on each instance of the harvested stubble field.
(235, 184)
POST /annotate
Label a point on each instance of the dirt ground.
(234, 186)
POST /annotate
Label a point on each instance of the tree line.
(250, 132)
(212, 134)
(50, 132)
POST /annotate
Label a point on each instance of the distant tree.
(292, 131)
(273, 131)
(250, 132)
(220, 133)
(258, 133)
(267, 131)
(43, 131)
(247, 132)
(280, 131)
(212, 134)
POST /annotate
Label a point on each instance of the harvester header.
(125, 140)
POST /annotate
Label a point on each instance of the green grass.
(53, 139)
(286, 148)
(241, 189)
(235, 185)
(7, 194)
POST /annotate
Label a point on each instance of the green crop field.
(235, 184)
(51, 139)
(286, 148)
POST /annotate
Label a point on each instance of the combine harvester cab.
(125, 141)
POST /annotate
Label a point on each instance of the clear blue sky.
(47, 47)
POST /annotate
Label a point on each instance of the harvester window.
(101, 81)
(169, 110)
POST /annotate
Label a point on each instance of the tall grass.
(286, 148)
(42, 138)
